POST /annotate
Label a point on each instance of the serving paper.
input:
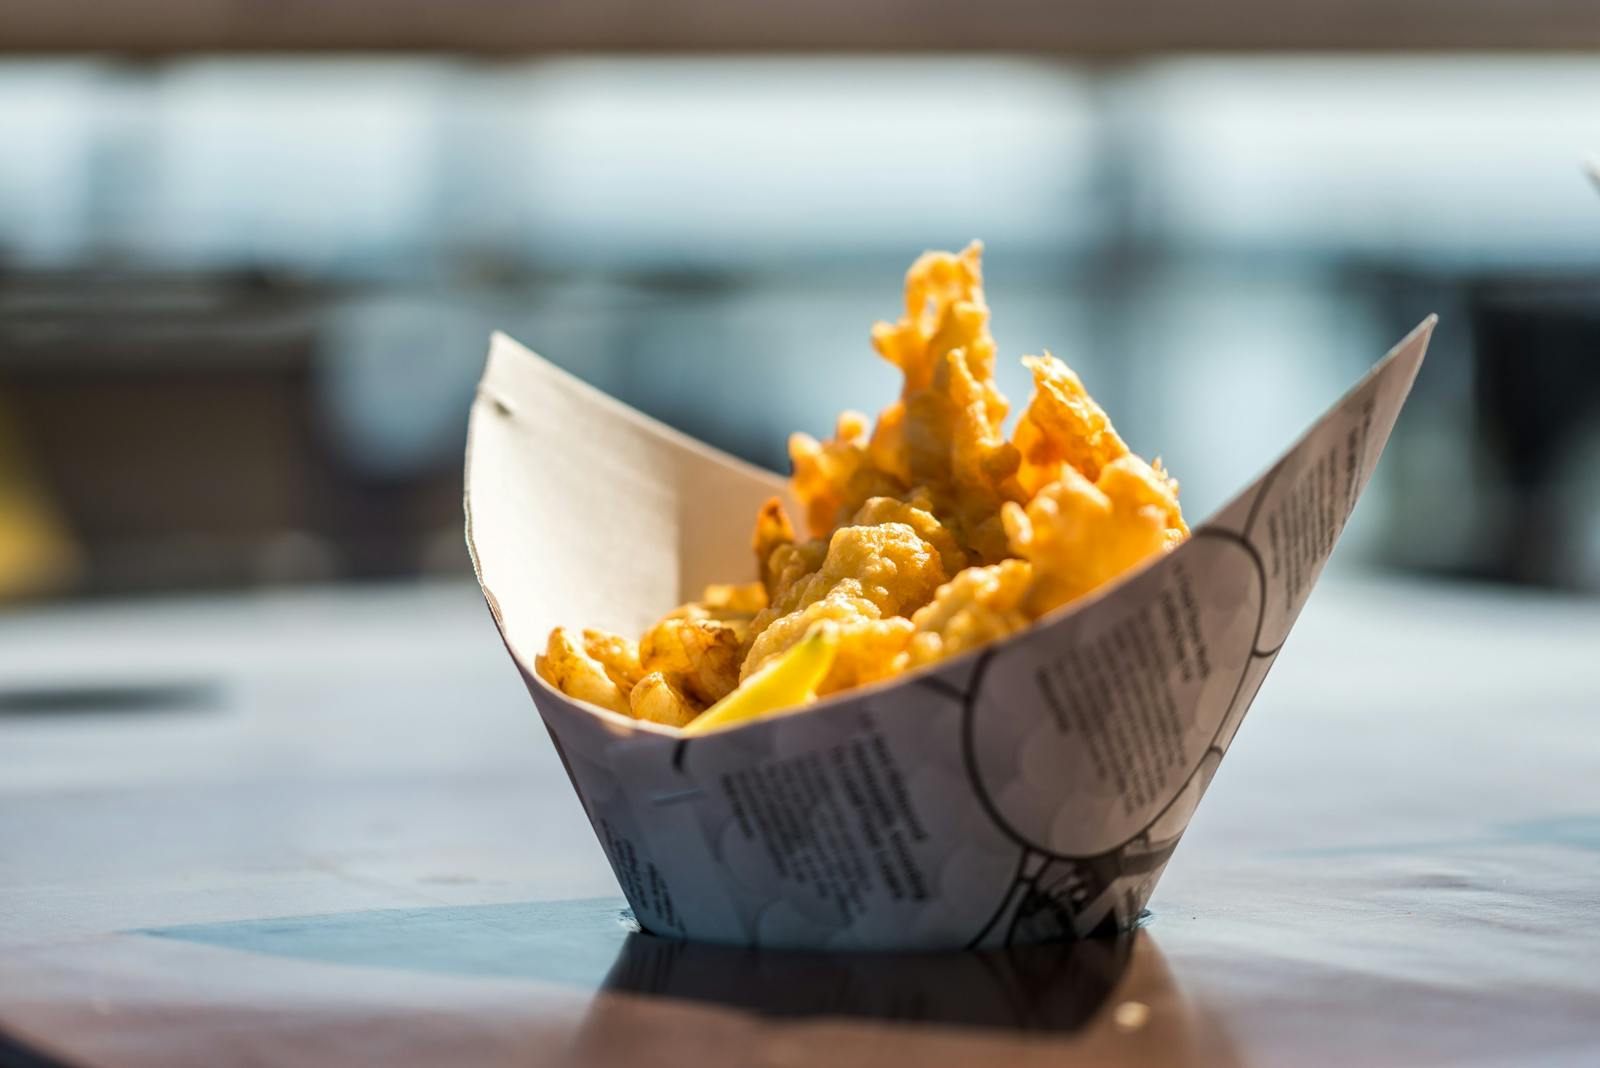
(1029, 791)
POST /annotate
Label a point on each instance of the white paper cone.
(1029, 791)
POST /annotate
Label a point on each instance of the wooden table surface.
(327, 828)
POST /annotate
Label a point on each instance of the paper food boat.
(1032, 790)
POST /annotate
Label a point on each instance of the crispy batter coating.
(727, 603)
(981, 464)
(741, 600)
(658, 700)
(917, 515)
(1062, 427)
(1080, 534)
(945, 312)
(833, 477)
(701, 655)
(978, 606)
(870, 580)
(869, 642)
(619, 656)
(945, 434)
(1177, 526)
(772, 530)
(791, 564)
(890, 564)
(868, 649)
(566, 666)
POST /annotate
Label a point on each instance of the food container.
(1032, 790)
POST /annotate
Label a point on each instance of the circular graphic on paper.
(1081, 733)
(1049, 905)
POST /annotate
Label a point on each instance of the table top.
(326, 827)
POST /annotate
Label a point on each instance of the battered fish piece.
(773, 529)
(945, 310)
(891, 565)
(698, 647)
(735, 601)
(832, 478)
(918, 515)
(978, 606)
(619, 657)
(1079, 534)
(870, 576)
(700, 655)
(982, 464)
(570, 669)
(1177, 526)
(657, 699)
(869, 641)
(791, 565)
(944, 435)
(1062, 427)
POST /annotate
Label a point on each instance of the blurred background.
(250, 257)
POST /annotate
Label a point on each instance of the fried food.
(931, 534)
(1062, 427)
(944, 436)
(868, 641)
(870, 580)
(792, 564)
(734, 601)
(726, 603)
(773, 530)
(832, 478)
(981, 463)
(978, 606)
(1079, 534)
(568, 667)
(657, 699)
(702, 655)
(888, 565)
(945, 312)
(917, 515)
(617, 655)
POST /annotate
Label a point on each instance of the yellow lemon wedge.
(791, 679)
